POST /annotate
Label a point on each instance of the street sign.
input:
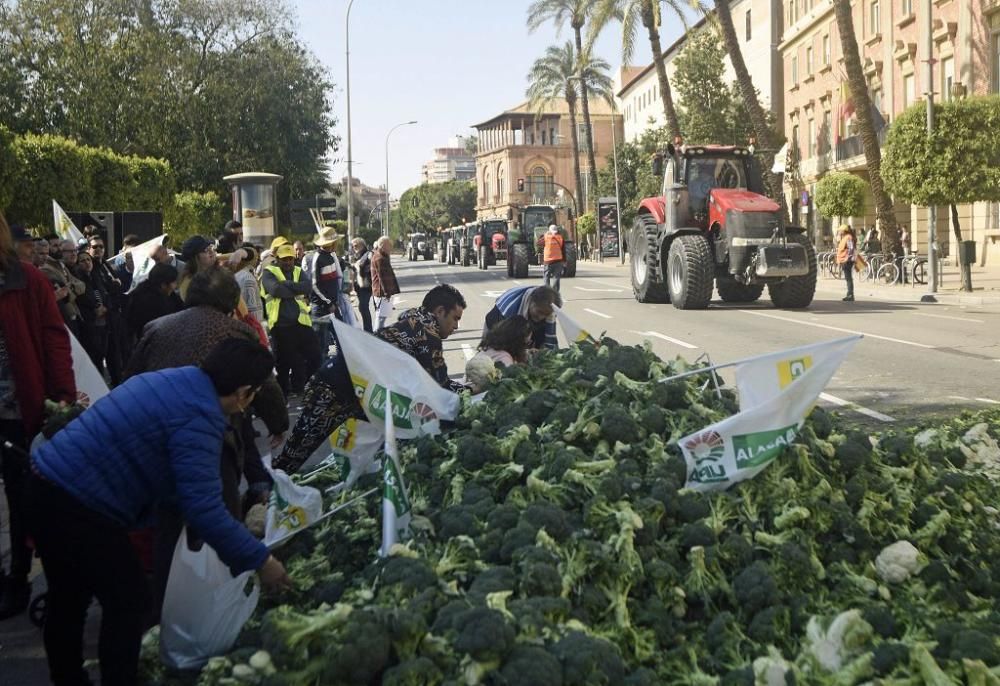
(607, 226)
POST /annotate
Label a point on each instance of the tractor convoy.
(711, 228)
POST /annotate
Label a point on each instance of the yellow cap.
(280, 240)
(283, 251)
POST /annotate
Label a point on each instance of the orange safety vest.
(553, 248)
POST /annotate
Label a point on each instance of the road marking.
(492, 294)
(657, 334)
(468, 351)
(989, 400)
(599, 290)
(837, 328)
(599, 314)
(857, 408)
(518, 282)
(944, 316)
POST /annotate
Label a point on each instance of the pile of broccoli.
(554, 545)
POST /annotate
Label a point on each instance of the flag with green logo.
(573, 332)
(395, 502)
(759, 379)
(416, 402)
(64, 226)
(741, 446)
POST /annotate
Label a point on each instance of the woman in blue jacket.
(157, 437)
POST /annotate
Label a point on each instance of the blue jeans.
(554, 271)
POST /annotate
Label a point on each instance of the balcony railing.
(851, 146)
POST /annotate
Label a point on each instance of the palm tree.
(766, 135)
(647, 12)
(575, 12)
(553, 76)
(866, 125)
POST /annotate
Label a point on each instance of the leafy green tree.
(553, 77)
(586, 225)
(858, 83)
(636, 180)
(213, 87)
(8, 168)
(192, 213)
(958, 163)
(432, 205)
(840, 194)
(711, 110)
(575, 13)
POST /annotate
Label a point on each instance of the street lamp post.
(385, 216)
(350, 180)
(931, 211)
(618, 197)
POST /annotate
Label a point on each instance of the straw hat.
(327, 236)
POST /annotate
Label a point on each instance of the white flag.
(740, 447)
(142, 259)
(355, 443)
(418, 403)
(90, 385)
(395, 502)
(290, 509)
(759, 379)
(64, 225)
(573, 332)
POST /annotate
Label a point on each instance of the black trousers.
(15, 475)
(296, 349)
(365, 305)
(848, 268)
(86, 556)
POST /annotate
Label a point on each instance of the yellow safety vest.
(272, 305)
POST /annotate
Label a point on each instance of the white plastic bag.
(204, 608)
(418, 402)
(290, 509)
(384, 309)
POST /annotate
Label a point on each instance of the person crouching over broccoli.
(329, 399)
(535, 303)
(505, 344)
(156, 437)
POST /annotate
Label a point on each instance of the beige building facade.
(526, 156)
(819, 122)
(758, 29)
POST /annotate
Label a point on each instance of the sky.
(448, 64)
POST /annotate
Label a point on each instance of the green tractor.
(525, 243)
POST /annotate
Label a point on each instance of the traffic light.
(520, 185)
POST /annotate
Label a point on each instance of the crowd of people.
(196, 349)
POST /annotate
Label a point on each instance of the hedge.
(35, 169)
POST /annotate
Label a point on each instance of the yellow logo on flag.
(345, 436)
(790, 370)
(360, 385)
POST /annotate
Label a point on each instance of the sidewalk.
(985, 285)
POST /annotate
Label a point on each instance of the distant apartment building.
(819, 120)
(533, 150)
(758, 28)
(451, 163)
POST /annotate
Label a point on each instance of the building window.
(552, 135)
(539, 184)
(907, 7)
(795, 70)
(825, 133)
(947, 77)
(747, 25)
(873, 18)
(909, 90)
(809, 61)
(811, 143)
(501, 185)
(826, 50)
(995, 61)
(795, 142)
(581, 138)
(876, 96)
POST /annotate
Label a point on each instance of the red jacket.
(37, 342)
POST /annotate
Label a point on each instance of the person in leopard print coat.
(329, 398)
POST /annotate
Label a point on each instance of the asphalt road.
(916, 361)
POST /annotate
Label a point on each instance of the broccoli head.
(588, 661)
(618, 424)
(457, 520)
(484, 634)
(889, 655)
(418, 671)
(755, 589)
(529, 665)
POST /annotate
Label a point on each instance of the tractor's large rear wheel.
(491, 257)
(796, 291)
(481, 257)
(570, 253)
(732, 291)
(465, 257)
(689, 272)
(648, 283)
(519, 257)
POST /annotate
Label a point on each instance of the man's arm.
(326, 275)
(275, 288)
(551, 342)
(194, 457)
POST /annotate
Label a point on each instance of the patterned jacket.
(417, 334)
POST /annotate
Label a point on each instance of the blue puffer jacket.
(156, 437)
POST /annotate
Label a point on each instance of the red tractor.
(490, 242)
(713, 225)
